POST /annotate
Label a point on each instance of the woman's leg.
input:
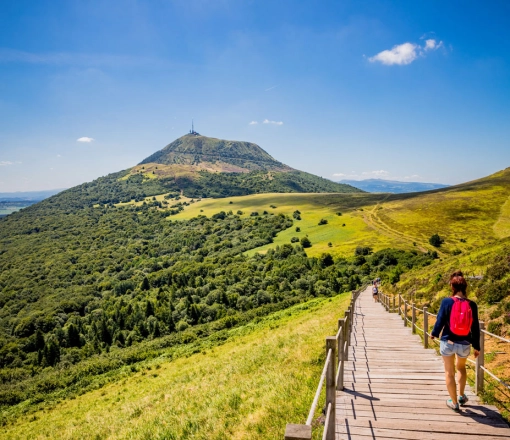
(449, 373)
(461, 374)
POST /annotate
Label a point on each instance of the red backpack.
(461, 317)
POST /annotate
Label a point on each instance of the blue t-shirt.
(443, 323)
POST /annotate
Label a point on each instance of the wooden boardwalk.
(395, 389)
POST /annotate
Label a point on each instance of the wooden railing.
(337, 352)
(398, 304)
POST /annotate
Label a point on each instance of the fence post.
(399, 305)
(480, 361)
(346, 335)
(331, 387)
(298, 432)
(413, 318)
(340, 353)
(405, 313)
(425, 327)
(393, 308)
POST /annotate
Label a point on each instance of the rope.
(496, 336)
(326, 422)
(495, 377)
(318, 392)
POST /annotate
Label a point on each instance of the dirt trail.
(373, 220)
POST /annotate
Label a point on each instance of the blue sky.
(353, 89)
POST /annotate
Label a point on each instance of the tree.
(52, 351)
(73, 336)
(435, 240)
(305, 242)
(326, 260)
(363, 250)
(323, 221)
(145, 284)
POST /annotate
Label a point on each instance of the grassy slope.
(477, 212)
(313, 207)
(263, 377)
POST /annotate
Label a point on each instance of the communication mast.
(192, 131)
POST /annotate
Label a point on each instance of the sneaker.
(452, 406)
(463, 400)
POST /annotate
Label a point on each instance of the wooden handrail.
(337, 348)
(480, 369)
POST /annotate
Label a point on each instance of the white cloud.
(400, 54)
(58, 155)
(85, 139)
(378, 173)
(432, 44)
(270, 88)
(253, 123)
(4, 163)
(267, 121)
(405, 53)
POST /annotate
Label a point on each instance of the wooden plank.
(372, 433)
(463, 426)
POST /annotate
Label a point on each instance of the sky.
(399, 90)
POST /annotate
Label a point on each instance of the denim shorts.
(460, 350)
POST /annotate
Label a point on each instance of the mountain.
(392, 186)
(202, 166)
(216, 154)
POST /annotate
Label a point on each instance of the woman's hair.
(458, 282)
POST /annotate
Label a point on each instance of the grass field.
(313, 208)
(466, 216)
(250, 387)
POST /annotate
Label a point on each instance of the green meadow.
(249, 387)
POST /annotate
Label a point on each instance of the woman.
(459, 314)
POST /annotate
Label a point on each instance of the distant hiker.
(375, 293)
(458, 320)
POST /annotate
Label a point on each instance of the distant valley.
(14, 201)
(392, 186)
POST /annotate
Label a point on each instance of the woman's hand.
(476, 353)
(432, 337)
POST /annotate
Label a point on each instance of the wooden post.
(425, 327)
(399, 305)
(298, 432)
(393, 308)
(346, 335)
(480, 362)
(331, 387)
(413, 318)
(405, 313)
(340, 353)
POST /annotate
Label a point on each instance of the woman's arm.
(441, 319)
(475, 327)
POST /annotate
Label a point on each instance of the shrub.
(326, 260)
(305, 242)
(339, 213)
(298, 229)
(323, 221)
(363, 250)
(294, 239)
(494, 327)
(254, 214)
(435, 240)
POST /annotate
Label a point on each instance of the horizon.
(396, 93)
